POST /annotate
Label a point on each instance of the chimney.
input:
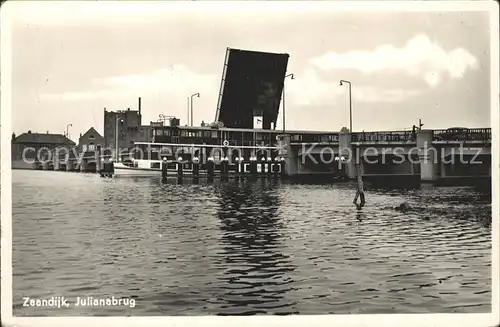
(47, 132)
(139, 107)
(29, 131)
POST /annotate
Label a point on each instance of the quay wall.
(21, 164)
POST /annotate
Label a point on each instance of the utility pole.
(420, 124)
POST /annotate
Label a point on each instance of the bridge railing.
(452, 134)
(397, 136)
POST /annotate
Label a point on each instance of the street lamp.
(118, 120)
(359, 177)
(350, 104)
(291, 77)
(187, 121)
(194, 95)
(67, 129)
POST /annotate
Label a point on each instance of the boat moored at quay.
(195, 149)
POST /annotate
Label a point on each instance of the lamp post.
(118, 120)
(291, 77)
(360, 193)
(192, 96)
(187, 121)
(350, 103)
(67, 129)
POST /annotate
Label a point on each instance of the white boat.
(137, 168)
(142, 168)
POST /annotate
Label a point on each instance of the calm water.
(262, 247)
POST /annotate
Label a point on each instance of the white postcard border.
(110, 7)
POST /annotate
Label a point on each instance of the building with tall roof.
(89, 140)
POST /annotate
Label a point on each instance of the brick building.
(90, 140)
(35, 146)
(121, 128)
(128, 125)
(35, 142)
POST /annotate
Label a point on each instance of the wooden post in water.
(196, 167)
(241, 166)
(276, 166)
(180, 168)
(98, 159)
(210, 168)
(263, 166)
(360, 193)
(224, 166)
(164, 170)
(224, 169)
(238, 165)
(237, 168)
(253, 166)
(111, 168)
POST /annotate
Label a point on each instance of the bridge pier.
(57, 164)
(288, 154)
(429, 158)
(60, 165)
(83, 166)
(442, 169)
(70, 165)
(347, 151)
(48, 165)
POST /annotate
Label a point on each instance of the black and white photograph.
(261, 159)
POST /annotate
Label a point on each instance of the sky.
(70, 62)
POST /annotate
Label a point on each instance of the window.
(91, 137)
(91, 147)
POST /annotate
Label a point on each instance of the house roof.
(43, 138)
(93, 131)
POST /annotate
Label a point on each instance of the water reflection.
(260, 246)
(360, 216)
(255, 280)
